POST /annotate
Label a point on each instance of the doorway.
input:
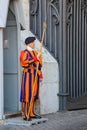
(10, 65)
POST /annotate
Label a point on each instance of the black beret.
(28, 40)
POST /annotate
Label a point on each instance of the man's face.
(32, 44)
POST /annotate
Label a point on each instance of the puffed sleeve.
(26, 60)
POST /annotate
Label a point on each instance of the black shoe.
(25, 118)
(29, 119)
(36, 117)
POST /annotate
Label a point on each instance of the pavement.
(68, 120)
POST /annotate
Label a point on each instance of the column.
(1, 74)
(62, 65)
(64, 57)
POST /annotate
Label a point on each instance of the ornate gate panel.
(77, 53)
(66, 39)
(46, 10)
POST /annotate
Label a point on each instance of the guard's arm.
(26, 60)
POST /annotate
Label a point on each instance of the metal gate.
(77, 54)
(66, 38)
(46, 10)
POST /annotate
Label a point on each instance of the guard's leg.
(25, 111)
(32, 108)
(32, 113)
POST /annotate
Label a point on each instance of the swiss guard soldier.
(29, 59)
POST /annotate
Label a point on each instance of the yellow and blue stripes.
(28, 76)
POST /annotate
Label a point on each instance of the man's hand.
(39, 54)
(36, 58)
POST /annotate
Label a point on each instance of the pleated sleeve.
(26, 59)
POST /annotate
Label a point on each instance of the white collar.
(29, 48)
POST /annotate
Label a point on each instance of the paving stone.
(1, 122)
(68, 120)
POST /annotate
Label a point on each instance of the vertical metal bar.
(80, 80)
(68, 59)
(74, 42)
(50, 30)
(40, 26)
(61, 56)
(77, 44)
(82, 51)
(46, 15)
(35, 19)
(55, 42)
(85, 53)
(64, 53)
(71, 57)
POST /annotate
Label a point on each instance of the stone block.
(48, 98)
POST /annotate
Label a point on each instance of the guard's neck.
(29, 48)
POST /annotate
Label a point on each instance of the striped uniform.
(28, 76)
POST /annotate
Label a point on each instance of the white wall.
(49, 88)
(25, 4)
(3, 12)
(1, 74)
